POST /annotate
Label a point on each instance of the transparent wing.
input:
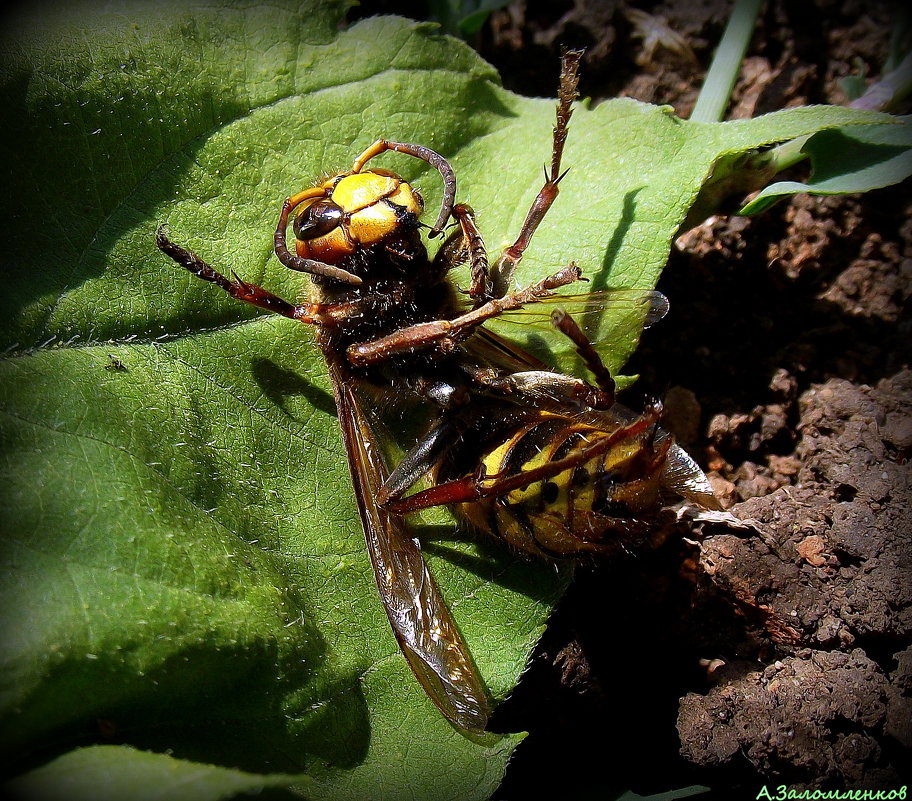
(421, 621)
(647, 305)
(683, 476)
(612, 319)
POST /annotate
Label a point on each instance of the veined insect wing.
(612, 320)
(422, 622)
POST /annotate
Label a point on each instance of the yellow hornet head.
(355, 211)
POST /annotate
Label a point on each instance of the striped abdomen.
(596, 505)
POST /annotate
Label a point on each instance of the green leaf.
(183, 567)
(475, 14)
(854, 85)
(847, 160)
(113, 773)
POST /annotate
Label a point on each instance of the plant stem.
(726, 64)
(788, 153)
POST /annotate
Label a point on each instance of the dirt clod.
(806, 718)
(830, 572)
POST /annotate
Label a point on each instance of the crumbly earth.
(780, 653)
(825, 578)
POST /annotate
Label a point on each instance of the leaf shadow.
(278, 384)
(216, 705)
(532, 578)
(29, 123)
(628, 214)
(855, 156)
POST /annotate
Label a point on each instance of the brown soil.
(781, 653)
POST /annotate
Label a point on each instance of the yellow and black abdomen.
(596, 505)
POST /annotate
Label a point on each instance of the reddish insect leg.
(423, 335)
(313, 313)
(506, 265)
(480, 289)
(569, 328)
(540, 386)
(466, 242)
(473, 488)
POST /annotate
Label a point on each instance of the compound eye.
(317, 220)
